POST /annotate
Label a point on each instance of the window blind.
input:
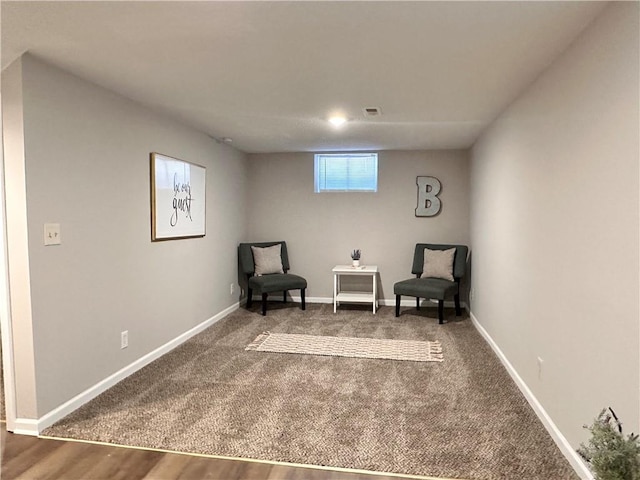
(353, 172)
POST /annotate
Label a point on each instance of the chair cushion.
(435, 288)
(267, 259)
(438, 264)
(276, 283)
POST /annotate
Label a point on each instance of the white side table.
(354, 297)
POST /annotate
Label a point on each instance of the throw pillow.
(267, 259)
(438, 264)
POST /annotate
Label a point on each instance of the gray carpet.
(461, 418)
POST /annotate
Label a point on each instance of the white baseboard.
(315, 299)
(388, 302)
(294, 298)
(34, 427)
(571, 455)
(26, 426)
(411, 302)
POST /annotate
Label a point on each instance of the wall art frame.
(178, 198)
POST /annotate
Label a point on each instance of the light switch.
(52, 234)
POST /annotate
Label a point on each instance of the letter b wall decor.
(428, 202)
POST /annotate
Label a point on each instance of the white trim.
(15, 286)
(25, 426)
(6, 338)
(315, 299)
(389, 302)
(76, 402)
(295, 298)
(411, 302)
(563, 444)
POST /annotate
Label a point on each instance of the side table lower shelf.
(354, 296)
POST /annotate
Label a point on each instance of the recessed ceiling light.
(337, 120)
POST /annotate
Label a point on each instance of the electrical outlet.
(231, 288)
(124, 339)
(540, 362)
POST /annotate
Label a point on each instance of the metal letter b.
(428, 201)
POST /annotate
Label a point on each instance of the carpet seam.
(252, 460)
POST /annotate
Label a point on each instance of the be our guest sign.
(177, 198)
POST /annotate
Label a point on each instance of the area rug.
(354, 347)
(461, 418)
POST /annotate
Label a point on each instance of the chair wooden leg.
(417, 303)
(398, 305)
(456, 298)
(302, 305)
(284, 296)
(264, 304)
(440, 311)
(249, 297)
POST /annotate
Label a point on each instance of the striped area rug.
(416, 351)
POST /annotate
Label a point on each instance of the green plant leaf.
(611, 455)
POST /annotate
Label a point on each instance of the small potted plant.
(611, 455)
(355, 256)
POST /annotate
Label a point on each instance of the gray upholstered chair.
(269, 283)
(433, 288)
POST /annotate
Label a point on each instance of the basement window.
(346, 172)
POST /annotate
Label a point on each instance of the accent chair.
(437, 278)
(266, 265)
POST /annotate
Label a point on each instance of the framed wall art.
(178, 198)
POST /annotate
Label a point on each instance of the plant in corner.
(611, 455)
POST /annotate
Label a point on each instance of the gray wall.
(321, 229)
(554, 227)
(87, 161)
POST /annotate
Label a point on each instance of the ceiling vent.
(372, 112)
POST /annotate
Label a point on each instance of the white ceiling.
(268, 74)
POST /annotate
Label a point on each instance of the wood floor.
(32, 458)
